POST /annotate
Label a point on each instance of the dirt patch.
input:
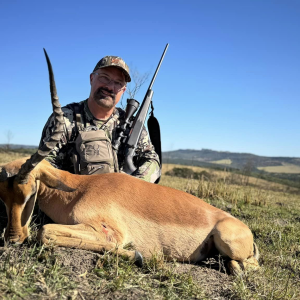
(78, 261)
(211, 276)
(215, 284)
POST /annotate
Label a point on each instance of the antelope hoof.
(238, 268)
(138, 259)
(17, 240)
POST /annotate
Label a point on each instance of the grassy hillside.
(230, 178)
(233, 160)
(284, 168)
(290, 179)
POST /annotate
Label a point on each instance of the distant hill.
(234, 160)
(218, 159)
(284, 170)
(17, 146)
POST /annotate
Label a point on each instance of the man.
(87, 146)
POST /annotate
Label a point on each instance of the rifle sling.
(154, 133)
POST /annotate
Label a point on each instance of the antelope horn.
(48, 146)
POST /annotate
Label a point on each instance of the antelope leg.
(234, 239)
(82, 236)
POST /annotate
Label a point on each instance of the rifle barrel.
(157, 69)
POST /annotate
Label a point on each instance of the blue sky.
(229, 81)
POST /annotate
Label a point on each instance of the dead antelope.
(107, 211)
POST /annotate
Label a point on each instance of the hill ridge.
(230, 159)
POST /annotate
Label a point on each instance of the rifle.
(130, 131)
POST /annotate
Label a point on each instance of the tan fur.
(102, 212)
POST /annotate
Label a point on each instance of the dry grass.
(231, 193)
(168, 167)
(8, 156)
(222, 162)
(285, 168)
(232, 178)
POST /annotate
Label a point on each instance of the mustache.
(99, 93)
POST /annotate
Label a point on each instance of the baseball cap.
(114, 61)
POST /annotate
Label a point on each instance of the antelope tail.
(256, 252)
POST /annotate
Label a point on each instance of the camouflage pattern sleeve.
(60, 154)
(147, 159)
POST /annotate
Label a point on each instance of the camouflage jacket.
(146, 159)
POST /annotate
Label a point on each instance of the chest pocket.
(96, 153)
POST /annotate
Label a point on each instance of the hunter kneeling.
(87, 143)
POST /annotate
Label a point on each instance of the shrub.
(189, 173)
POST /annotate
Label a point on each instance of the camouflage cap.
(114, 61)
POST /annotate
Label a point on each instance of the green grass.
(34, 272)
(155, 279)
(30, 271)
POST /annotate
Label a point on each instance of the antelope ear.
(3, 174)
(29, 206)
(52, 182)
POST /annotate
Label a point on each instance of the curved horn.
(47, 147)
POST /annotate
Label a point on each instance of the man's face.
(107, 95)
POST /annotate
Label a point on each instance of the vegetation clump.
(189, 173)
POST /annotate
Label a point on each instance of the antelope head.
(19, 180)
